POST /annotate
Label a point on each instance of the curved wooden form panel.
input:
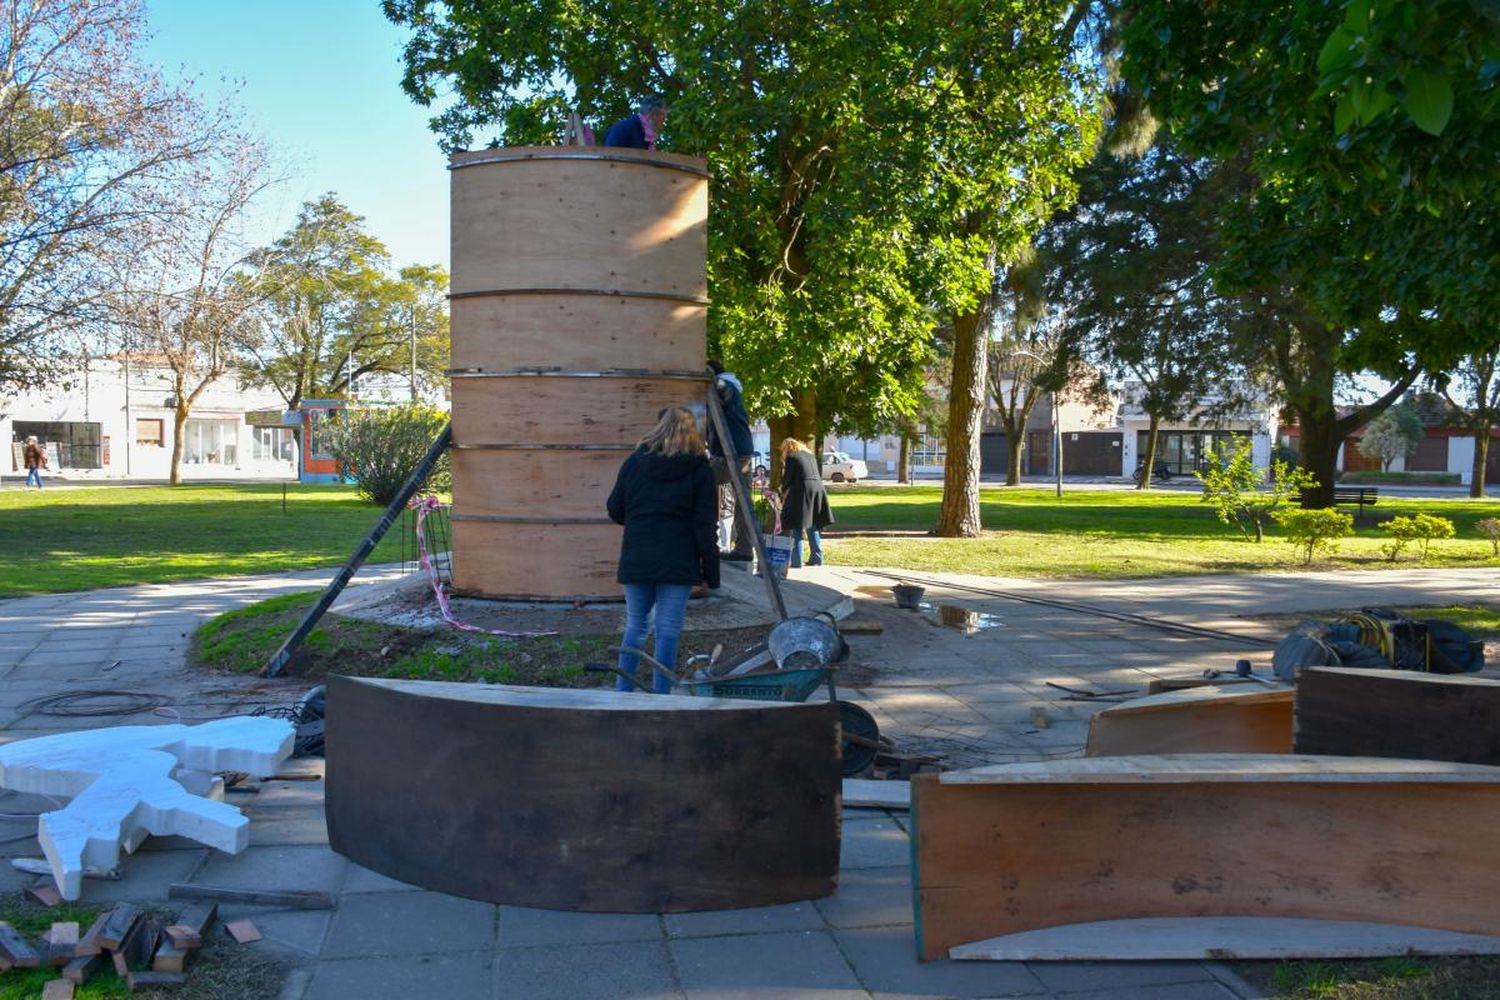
(519, 559)
(584, 800)
(564, 217)
(558, 410)
(1018, 847)
(1237, 719)
(1398, 713)
(576, 332)
(556, 483)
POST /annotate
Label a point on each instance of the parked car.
(840, 468)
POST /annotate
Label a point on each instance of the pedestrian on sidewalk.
(737, 420)
(35, 458)
(664, 496)
(804, 506)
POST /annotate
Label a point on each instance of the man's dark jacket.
(732, 399)
(627, 132)
(669, 506)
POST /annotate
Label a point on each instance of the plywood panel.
(1248, 835)
(577, 222)
(586, 801)
(540, 561)
(577, 333)
(566, 411)
(564, 484)
(1398, 713)
(1196, 720)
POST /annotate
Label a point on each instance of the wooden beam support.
(1398, 713)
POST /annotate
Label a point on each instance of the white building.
(115, 421)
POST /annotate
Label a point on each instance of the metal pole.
(1057, 439)
(413, 353)
(742, 507)
(341, 580)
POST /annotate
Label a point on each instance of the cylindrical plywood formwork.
(579, 311)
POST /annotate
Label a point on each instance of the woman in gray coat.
(804, 502)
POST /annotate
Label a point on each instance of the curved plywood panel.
(536, 482)
(584, 800)
(565, 218)
(1007, 849)
(552, 410)
(1398, 713)
(535, 560)
(1238, 719)
(577, 333)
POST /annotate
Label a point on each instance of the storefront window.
(272, 444)
(210, 442)
(71, 445)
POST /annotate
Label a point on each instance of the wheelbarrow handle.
(655, 664)
(607, 668)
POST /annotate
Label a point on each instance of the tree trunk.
(781, 429)
(903, 464)
(805, 420)
(1481, 460)
(959, 517)
(1015, 444)
(1148, 460)
(1318, 453)
(179, 428)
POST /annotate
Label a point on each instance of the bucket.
(908, 595)
(779, 553)
(800, 643)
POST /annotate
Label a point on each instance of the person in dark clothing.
(639, 131)
(737, 421)
(664, 496)
(804, 505)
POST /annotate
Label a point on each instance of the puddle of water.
(965, 620)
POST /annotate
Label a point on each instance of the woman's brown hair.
(791, 444)
(676, 433)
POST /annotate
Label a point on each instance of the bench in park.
(1363, 496)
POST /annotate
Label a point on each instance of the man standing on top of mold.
(639, 131)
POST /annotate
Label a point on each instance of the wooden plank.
(169, 958)
(1196, 939)
(88, 943)
(136, 949)
(564, 411)
(1203, 836)
(83, 968)
(192, 924)
(121, 919)
(860, 625)
(244, 930)
(1161, 684)
(592, 778)
(288, 898)
(57, 989)
(862, 793)
(16, 949)
(537, 483)
(577, 333)
(584, 223)
(1196, 720)
(62, 940)
(536, 561)
(44, 892)
(138, 981)
(1398, 713)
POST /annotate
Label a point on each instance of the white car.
(840, 468)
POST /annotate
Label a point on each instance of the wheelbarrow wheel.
(861, 738)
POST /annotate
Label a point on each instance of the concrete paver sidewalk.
(972, 697)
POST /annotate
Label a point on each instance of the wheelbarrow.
(790, 681)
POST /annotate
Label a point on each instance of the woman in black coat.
(666, 498)
(804, 502)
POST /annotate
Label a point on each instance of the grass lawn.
(82, 538)
(1378, 979)
(1112, 534)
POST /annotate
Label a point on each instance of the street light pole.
(1057, 443)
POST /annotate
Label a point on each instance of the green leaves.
(1429, 100)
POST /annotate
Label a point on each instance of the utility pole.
(413, 352)
(1057, 446)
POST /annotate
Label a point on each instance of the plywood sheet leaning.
(1196, 720)
(586, 800)
(1017, 847)
(1398, 713)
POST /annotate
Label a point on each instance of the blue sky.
(320, 79)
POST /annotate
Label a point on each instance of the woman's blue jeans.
(670, 601)
(34, 478)
(814, 547)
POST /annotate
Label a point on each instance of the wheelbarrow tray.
(767, 685)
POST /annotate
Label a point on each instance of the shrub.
(1238, 490)
(1421, 528)
(1490, 528)
(1314, 531)
(378, 448)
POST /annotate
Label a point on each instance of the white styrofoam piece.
(122, 787)
(1222, 938)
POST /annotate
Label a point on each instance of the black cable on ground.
(91, 703)
(1148, 621)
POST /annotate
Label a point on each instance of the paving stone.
(870, 897)
(145, 876)
(290, 825)
(409, 923)
(1078, 977)
(876, 843)
(363, 880)
(885, 959)
(459, 977)
(752, 967)
(300, 931)
(314, 869)
(1175, 991)
(523, 927)
(620, 971)
(802, 916)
